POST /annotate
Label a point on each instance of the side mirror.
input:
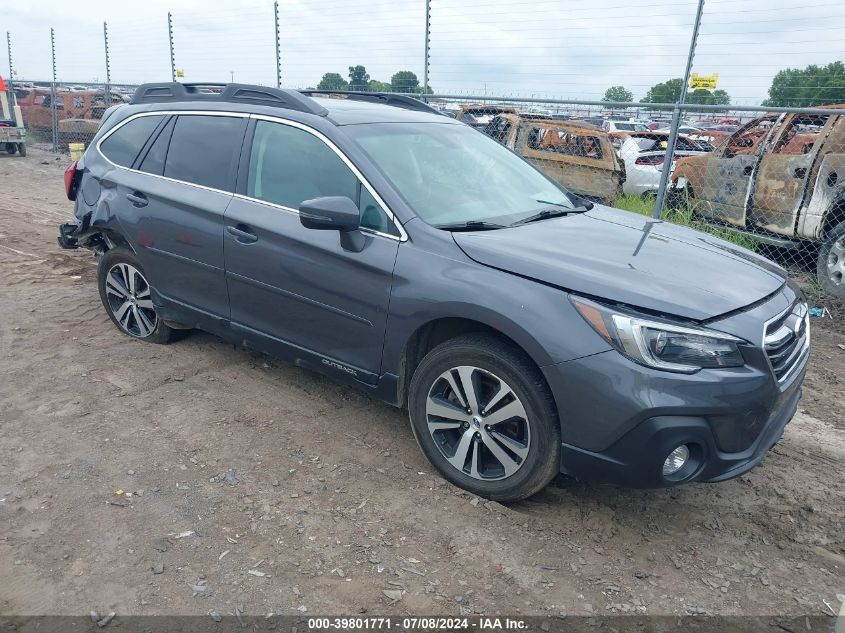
(335, 213)
(330, 213)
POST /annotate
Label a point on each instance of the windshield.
(631, 127)
(452, 174)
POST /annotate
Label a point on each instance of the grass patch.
(683, 216)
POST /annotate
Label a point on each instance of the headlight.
(659, 344)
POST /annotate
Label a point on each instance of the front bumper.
(620, 420)
(636, 460)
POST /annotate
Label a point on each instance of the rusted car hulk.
(577, 156)
(781, 180)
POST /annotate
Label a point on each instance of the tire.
(11, 148)
(525, 420)
(830, 265)
(125, 293)
(22, 149)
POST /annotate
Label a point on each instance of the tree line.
(359, 80)
(811, 86)
(791, 87)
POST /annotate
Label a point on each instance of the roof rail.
(233, 93)
(387, 98)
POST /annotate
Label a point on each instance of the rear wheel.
(22, 149)
(127, 296)
(11, 148)
(483, 415)
(830, 265)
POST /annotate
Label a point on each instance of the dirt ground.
(329, 502)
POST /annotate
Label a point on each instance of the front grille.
(786, 340)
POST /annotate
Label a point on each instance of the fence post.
(170, 39)
(11, 67)
(427, 46)
(107, 94)
(676, 118)
(54, 124)
(278, 46)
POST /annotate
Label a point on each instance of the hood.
(628, 258)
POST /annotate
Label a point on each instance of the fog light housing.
(676, 460)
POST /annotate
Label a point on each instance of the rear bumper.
(66, 237)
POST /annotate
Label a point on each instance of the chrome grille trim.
(786, 340)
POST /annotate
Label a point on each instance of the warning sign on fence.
(708, 82)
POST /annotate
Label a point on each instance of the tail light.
(72, 178)
(650, 160)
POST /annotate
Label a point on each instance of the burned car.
(479, 116)
(577, 156)
(781, 179)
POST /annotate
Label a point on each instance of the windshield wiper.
(472, 225)
(545, 214)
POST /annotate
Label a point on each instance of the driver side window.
(288, 165)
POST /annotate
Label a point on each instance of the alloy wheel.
(128, 296)
(836, 261)
(478, 423)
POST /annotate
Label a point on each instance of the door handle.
(800, 172)
(242, 233)
(747, 170)
(137, 198)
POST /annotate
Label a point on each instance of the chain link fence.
(771, 180)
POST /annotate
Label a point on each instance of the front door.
(298, 290)
(784, 171)
(728, 173)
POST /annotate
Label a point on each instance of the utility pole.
(278, 46)
(170, 38)
(11, 67)
(53, 116)
(108, 65)
(427, 47)
(676, 119)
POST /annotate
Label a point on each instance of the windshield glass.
(452, 174)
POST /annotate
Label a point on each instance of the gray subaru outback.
(527, 331)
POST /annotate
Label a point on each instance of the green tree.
(618, 93)
(666, 92)
(374, 85)
(332, 81)
(358, 78)
(812, 86)
(703, 96)
(405, 81)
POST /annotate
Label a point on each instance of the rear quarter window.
(203, 148)
(123, 145)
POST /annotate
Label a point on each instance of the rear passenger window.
(203, 149)
(122, 146)
(153, 162)
(288, 165)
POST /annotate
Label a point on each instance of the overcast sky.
(541, 48)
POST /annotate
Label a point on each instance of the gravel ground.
(258, 485)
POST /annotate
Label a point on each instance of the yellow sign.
(708, 82)
(180, 72)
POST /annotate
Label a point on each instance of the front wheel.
(11, 148)
(830, 266)
(127, 296)
(484, 417)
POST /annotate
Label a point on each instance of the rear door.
(785, 171)
(171, 202)
(298, 290)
